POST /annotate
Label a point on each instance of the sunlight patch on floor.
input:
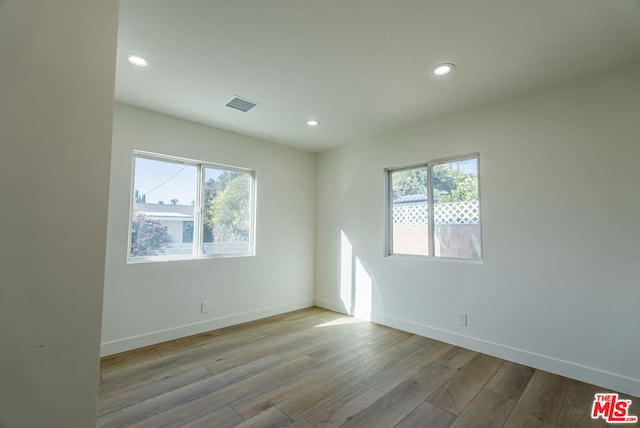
(341, 321)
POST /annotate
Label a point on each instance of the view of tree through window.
(227, 210)
(169, 219)
(435, 210)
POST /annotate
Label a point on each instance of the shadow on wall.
(356, 285)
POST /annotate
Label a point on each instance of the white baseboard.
(152, 338)
(602, 378)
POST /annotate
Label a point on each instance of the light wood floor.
(318, 368)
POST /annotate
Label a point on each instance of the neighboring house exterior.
(177, 218)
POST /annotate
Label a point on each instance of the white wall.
(559, 285)
(56, 101)
(147, 303)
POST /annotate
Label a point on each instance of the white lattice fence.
(457, 213)
(412, 213)
(415, 213)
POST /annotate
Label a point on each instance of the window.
(184, 209)
(434, 209)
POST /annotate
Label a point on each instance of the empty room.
(338, 213)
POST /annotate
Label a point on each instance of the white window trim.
(198, 214)
(388, 250)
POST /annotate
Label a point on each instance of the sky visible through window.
(468, 166)
(162, 181)
(165, 181)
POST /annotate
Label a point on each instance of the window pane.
(227, 212)
(410, 212)
(456, 209)
(163, 208)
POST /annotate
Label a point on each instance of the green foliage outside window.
(227, 207)
(449, 185)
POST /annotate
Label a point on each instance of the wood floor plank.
(310, 396)
(373, 357)
(402, 400)
(427, 415)
(299, 319)
(510, 380)
(305, 399)
(338, 408)
(382, 343)
(540, 403)
(195, 341)
(457, 357)
(458, 391)
(269, 418)
(416, 342)
(261, 348)
(362, 337)
(293, 386)
(174, 362)
(210, 382)
(203, 405)
(293, 321)
(249, 369)
(358, 362)
(119, 361)
(172, 406)
(296, 350)
(386, 380)
(487, 410)
(224, 417)
(574, 417)
(332, 350)
(580, 394)
(145, 391)
(576, 408)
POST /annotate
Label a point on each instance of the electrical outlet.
(462, 319)
(204, 306)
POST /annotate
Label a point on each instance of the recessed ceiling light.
(137, 60)
(443, 69)
(312, 122)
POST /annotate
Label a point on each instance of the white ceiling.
(360, 67)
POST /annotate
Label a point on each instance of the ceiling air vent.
(241, 104)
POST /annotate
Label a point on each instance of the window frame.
(388, 182)
(198, 215)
